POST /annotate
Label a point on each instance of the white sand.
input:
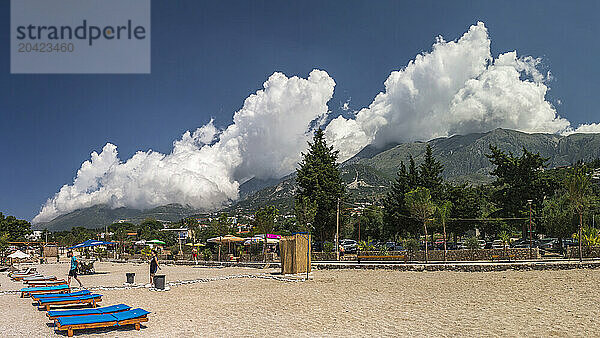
(350, 302)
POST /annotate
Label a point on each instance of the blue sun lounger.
(59, 295)
(129, 317)
(92, 299)
(53, 314)
(63, 288)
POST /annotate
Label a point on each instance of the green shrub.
(472, 243)
(207, 254)
(591, 237)
(364, 246)
(146, 251)
(384, 251)
(411, 244)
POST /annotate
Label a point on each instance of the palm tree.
(443, 213)
(577, 185)
(421, 207)
(505, 238)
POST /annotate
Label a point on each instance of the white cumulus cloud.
(457, 88)
(205, 167)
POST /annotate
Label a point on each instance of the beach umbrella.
(19, 254)
(91, 243)
(252, 240)
(142, 242)
(225, 239)
(156, 241)
(273, 236)
(196, 244)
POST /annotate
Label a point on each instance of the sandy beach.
(341, 302)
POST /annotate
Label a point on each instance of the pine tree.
(427, 175)
(396, 220)
(519, 179)
(430, 175)
(318, 179)
(413, 173)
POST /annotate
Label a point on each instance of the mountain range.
(368, 174)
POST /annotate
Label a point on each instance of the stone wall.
(479, 255)
(471, 267)
(438, 255)
(271, 257)
(587, 252)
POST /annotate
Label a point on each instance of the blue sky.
(208, 56)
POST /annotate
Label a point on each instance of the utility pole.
(337, 231)
(358, 227)
(580, 233)
(179, 239)
(530, 239)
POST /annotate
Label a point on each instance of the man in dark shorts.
(153, 266)
(73, 270)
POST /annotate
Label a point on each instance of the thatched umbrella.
(225, 239)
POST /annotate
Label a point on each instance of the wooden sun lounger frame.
(29, 293)
(133, 321)
(46, 283)
(85, 314)
(20, 277)
(93, 301)
(44, 278)
(22, 272)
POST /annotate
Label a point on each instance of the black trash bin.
(130, 277)
(159, 282)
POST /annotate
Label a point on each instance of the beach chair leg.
(47, 307)
(137, 326)
(70, 332)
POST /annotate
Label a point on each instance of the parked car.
(451, 246)
(497, 244)
(439, 244)
(349, 245)
(567, 242)
(430, 245)
(524, 243)
(481, 244)
(389, 245)
(550, 244)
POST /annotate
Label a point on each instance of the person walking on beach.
(73, 270)
(195, 255)
(153, 266)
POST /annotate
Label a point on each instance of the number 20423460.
(45, 47)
